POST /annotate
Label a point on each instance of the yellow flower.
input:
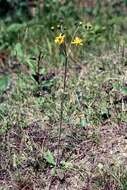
(60, 39)
(77, 41)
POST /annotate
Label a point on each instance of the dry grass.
(96, 151)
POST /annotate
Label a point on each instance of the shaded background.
(18, 10)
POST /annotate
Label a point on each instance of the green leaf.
(48, 156)
(83, 123)
(31, 64)
(66, 165)
(15, 27)
(124, 90)
(18, 51)
(4, 81)
(116, 86)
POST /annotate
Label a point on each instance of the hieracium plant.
(64, 48)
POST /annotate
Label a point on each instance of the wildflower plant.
(64, 46)
(65, 43)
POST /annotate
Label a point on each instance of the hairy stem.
(62, 106)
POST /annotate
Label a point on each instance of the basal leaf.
(4, 81)
(48, 156)
(124, 90)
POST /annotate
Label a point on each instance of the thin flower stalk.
(62, 105)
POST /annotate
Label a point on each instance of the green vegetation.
(63, 96)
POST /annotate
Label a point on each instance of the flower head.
(52, 28)
(77, 41)
(88, 26)
(60, 39)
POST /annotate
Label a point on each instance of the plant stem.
(62, 106)
(38, 66)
